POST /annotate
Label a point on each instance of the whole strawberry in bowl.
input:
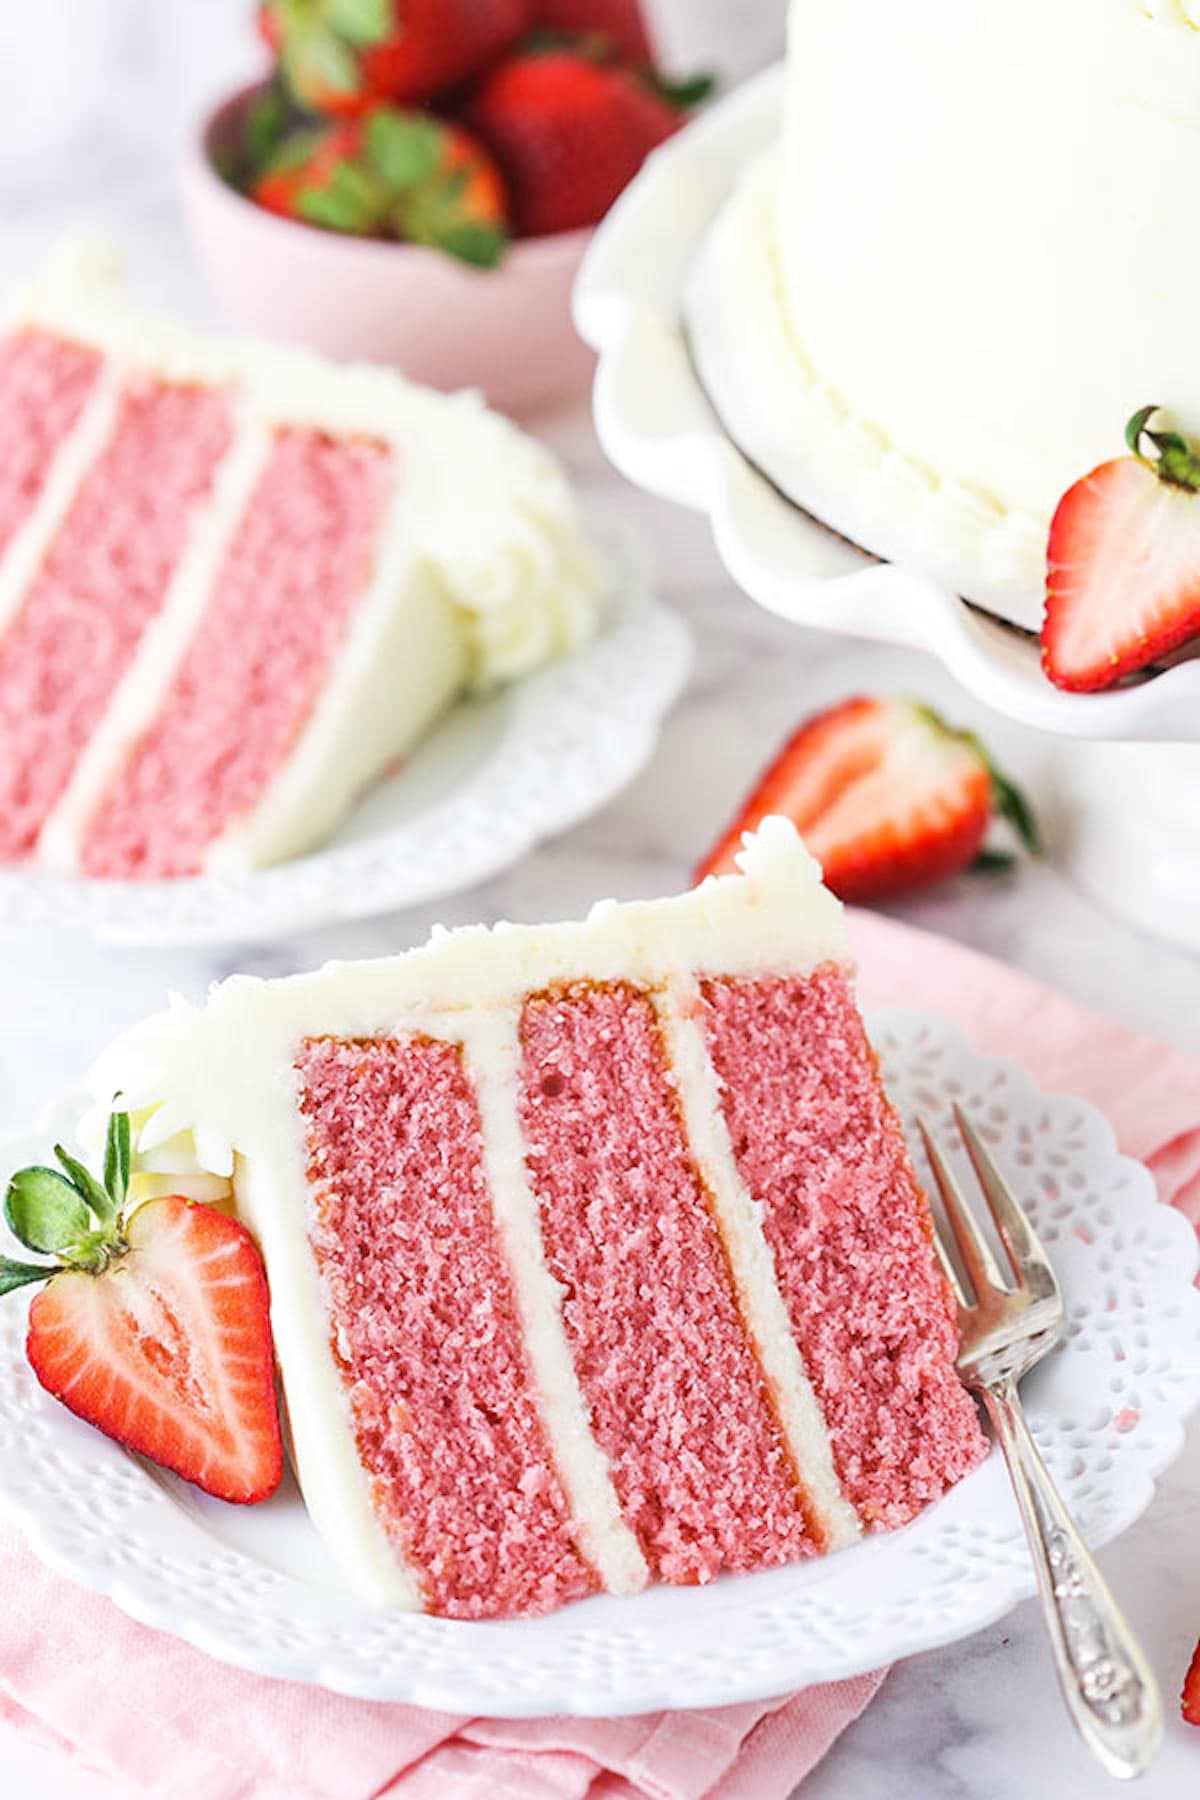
(416, 182)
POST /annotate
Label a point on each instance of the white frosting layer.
(220, 1079)
(483, 573)
(979, 228)
(492, 1048)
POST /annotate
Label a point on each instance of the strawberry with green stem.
(887, 796)
(391, 174)
(153, 1323)
(346, 56)
(1123, 563)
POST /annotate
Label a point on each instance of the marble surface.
(974, 1721)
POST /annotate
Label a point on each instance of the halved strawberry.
(1190, 1698)
(153, 1325)
(1123, 567)
(886, 796)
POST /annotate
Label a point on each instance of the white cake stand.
(1134, 839)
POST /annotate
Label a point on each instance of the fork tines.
(1031, 1269)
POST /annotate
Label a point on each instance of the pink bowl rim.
(198, 169)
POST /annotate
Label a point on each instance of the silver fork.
(1106, 1681)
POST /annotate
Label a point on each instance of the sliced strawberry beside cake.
(153, 1321)
(1123, 573)
(1190, 1698)
(888, 798)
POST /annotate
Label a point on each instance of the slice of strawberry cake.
(595, 1251)
(237, 584)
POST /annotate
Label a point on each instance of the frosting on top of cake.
(197, 1067)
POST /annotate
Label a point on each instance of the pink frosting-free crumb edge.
(300, 558)
(819, 1147)
(103, 580)
(425, 1328)
(677, 1400)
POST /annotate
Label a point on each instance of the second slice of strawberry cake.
(596, 1254)
(237, 583)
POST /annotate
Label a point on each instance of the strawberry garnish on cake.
(569, 134)
(1123, 567)
(344, 56)
(391, 174)
(153, 1324)
(887, 796)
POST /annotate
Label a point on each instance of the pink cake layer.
(425, 1328)
(102, 582)
(820, 1149)
(248, 683)
(677, 1399)
(45, 383)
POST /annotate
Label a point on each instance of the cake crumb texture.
(101, 584)
(45, 383)
(425, 1329)
(819, 1147)
(299, 560)
(678, 1401)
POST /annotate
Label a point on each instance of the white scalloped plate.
(496, 777)
(656, 424)
(255, 1587)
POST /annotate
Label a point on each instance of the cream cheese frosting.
(982, 221)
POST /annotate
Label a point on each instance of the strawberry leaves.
(69, 1215)
(403, 149)
(117, 1158)
(1176, 462)
(45, 1211)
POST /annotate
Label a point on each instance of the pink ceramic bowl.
(507, 331)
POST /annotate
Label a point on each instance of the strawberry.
(153, 1324)
(390, 174)
(619, 23)
(1123, 576)
(887, 797)
(345, 56)
(568, 133)
(1190, 1698)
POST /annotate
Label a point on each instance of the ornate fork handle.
(1105, 1679)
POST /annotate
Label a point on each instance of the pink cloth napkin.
(166, 1721)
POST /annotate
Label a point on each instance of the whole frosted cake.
(595, 1251)
(963, 268)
